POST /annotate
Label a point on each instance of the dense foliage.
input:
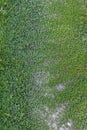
(37, 36)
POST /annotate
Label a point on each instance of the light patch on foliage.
(48, 92)
(51, 61)
(41, 77)
(60, 87)
(2, 11)
(52, 117)
(67, 126)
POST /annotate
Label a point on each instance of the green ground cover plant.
(43, 45)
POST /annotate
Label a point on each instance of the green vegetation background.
(28, 35)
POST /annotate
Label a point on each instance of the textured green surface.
(42, 44)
